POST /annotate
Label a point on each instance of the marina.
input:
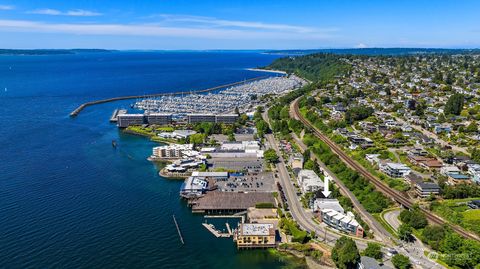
(81, 107)
(241, 96)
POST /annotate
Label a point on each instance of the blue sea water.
(68, 199)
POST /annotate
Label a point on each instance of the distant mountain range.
(48, 51)
(377, 51)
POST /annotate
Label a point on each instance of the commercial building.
(395, 169)
(216, 175)
(174, 151)
(296, 161)
(159, 118)
(125, 120)
(425, 189)
(342, 222)
(193, 187)
(226, 118)
(320, 204)
(197, 118)
(220, 118)
(177, 134)
(255, 235)
(309, 181)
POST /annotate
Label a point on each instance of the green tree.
(454, 104)
(405, 232)
(472, 128)
(270, 156)
(345, 253)
(401, 262)
(414, 218)
(197, 139)
(373, 250)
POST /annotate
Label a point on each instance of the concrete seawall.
(79, 109)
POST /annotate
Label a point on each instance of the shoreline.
(267, 71)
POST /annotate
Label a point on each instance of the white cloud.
(159, 31)
(199, 21)
(6, 7)
(74, 12)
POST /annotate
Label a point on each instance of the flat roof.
(257, 229)
(209, 174)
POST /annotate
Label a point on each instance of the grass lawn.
(456, 211)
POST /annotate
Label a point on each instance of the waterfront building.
(215, 175)
(174, 151)
(255, 235)
(193, 187)
(226, 118)
(178, 134)
(159, 118)
(198, 118)
(309, 181)
(395, 170)
(342, 222)
(125, 120)
(425, 189)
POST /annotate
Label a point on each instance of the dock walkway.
(216, 232)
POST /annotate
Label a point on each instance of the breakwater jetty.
(79, 109)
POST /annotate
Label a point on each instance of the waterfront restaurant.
(255, 235)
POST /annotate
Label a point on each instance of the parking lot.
(258, 182)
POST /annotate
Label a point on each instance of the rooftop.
(257, 229)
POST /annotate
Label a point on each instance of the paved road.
(378, 230)
(413, 250)
(303, 217)
(391, 217)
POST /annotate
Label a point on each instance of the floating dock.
(217, 233)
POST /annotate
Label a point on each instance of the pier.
(178, 230)
(79, 109)
(218, 233)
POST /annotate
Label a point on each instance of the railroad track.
(397, 196)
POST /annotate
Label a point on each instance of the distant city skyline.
(204, 25)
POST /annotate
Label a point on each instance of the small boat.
(5, 89)
(114, 143)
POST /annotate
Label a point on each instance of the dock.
(79, 109)
(217, 233)
(116, 112)
(178, 230)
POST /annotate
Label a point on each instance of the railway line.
(397, 196)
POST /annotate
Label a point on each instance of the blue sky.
(205, 24)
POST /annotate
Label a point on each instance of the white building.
(341, 221)
(193, 186)
(319, 204)
(177, 134)
(309, 181)
(395, 169)
(175, 151)
(474, 171)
